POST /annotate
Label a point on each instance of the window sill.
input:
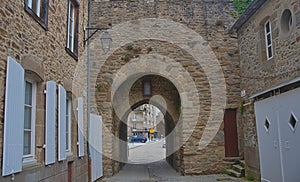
(37, 19)
(70, 158)
(27, 162)
(72, 54)
(69, 154)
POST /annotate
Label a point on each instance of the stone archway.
(166, 98)
(114, 85)
(188, 44)
(189, 63)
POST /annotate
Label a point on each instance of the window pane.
(268, 27)
(36, 7)
(71, 20)
(270, 52)
(147, 88)
(67, 141)
(28, 93)
(68, 125)
(269, 40)
(27, 143)
(27, 118)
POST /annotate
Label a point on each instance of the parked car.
(138, 139)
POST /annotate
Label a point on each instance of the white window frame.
(133, 117)
(69, 126)
(30, 158)
(71, 20)
(38, 5)
(268, 34)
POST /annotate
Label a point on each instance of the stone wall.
(259, 74)
(208, 19)
(42, 53)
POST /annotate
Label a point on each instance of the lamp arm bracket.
(95, 31)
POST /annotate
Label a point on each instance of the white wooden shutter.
(62, 105)
(80, 128)
(95, 146)
(50, 122)
(13, 118)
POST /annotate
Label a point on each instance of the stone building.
(269, 43)
(142, 119)
(160, 125)
(178, 56)
(41, 47)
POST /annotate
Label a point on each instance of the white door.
(278, 137)
(95, 146)
(268, 140)
(289, 117)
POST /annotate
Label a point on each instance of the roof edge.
(248, 13)
(296, 80)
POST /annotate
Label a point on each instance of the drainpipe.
(88, 93)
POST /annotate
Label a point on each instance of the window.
(38, 9)
(72, 29)
(68, 125)
(268, 40)
(286, 22)
(147, 90)
(29, 121)
(133, 117)
(133, 126)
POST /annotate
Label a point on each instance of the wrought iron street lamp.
(105, 38)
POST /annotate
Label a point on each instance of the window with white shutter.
(29, 122)
(69, 126)
(13, 121)
(80, 128)
(62, 105)
(38, 9)
(50, 122)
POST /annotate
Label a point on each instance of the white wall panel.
(95, 146)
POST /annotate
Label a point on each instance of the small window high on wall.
(38, 9)
(72, 29)
(268, 40)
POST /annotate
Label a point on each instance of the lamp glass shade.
(106, 41)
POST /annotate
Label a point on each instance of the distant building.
(142, 120)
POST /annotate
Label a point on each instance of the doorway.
(230, 132)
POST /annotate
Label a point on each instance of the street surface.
(143, 153)
(147, 164)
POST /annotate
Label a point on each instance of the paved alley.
(146, 163)
(161, 171)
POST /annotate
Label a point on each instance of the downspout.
(88, 93)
